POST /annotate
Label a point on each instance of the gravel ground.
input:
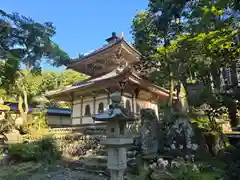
(33, 171)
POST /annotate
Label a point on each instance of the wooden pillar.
(94, 105)
(136, 93)
(133, 106)
(108, 96)
(60, 120)
(72, 104)
(81, 111)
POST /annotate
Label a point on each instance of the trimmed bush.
(43, 150)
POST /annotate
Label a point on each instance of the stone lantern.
(116, 117)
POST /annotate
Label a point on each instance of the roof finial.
(113, 38)
(121, 35)
(114, 34)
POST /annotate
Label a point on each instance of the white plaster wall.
(76, 114)
(53, 120)
(147, 104)
(125, 100)
(76, 121)
(65, 120)
(87, 120)
(77, 101)
(76, 110)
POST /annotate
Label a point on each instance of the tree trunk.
(21, 101)
(232, 111)
(171, 89)
(20, 108)
(25, 101)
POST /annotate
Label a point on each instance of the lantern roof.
(116, 111)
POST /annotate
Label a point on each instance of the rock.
(185, 138)
(161, 175)
(14, 137)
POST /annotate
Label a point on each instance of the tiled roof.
(54, 110)
(105, 76)
(104, 47)
(101, 49)
(110, 75)
(85, 83)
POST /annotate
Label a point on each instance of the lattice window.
(87, 110)
(100, 107)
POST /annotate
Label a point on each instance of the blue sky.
(81, 25)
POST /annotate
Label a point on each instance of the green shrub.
(188, 173)
(43, 150)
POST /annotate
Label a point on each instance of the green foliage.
(38, 121)
(187, 173)
(24, 41)
(37, 84)
(28, 42)
(192, 40)
(4, 107)
(68, 77)
(35, 41)
(43, 150)
(202, 122)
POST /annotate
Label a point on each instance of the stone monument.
(116, 140)
(148, 131)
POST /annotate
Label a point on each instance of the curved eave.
(96, 84)
(102, 50)
(91, 84)
(105, 54)
(130, 46)
(158, 91)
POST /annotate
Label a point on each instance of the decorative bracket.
(122, 84)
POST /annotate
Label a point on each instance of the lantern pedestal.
(116, 140)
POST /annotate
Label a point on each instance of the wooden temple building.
(114, 67)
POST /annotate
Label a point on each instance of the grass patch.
(19, 171)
